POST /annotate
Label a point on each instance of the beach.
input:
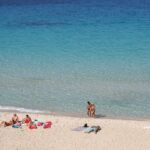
(115, 134)
(56, 55)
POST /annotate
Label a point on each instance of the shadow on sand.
(100, 116)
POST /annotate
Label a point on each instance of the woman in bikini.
(90, 109)
(27, 119)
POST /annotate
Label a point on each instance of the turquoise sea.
(57, 55)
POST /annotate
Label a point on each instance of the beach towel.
(17, 125)
(80, 128)
(39, 123)
(89, 129)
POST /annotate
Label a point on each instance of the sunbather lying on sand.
(92, 129)
(13, 121)
(87, 129)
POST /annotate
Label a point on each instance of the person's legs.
(93, 113)
(89, 113)
(7, 123)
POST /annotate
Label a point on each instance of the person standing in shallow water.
(90, 109)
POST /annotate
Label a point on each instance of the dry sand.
(115, 134)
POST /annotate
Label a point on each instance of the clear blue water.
(56, 56)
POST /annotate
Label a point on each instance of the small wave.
(20, 109)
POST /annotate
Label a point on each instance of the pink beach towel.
(39, 123)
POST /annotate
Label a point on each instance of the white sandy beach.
(115, 134)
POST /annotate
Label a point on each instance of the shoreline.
(77, 115)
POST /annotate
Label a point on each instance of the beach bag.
(47, 124)
(33, 126)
